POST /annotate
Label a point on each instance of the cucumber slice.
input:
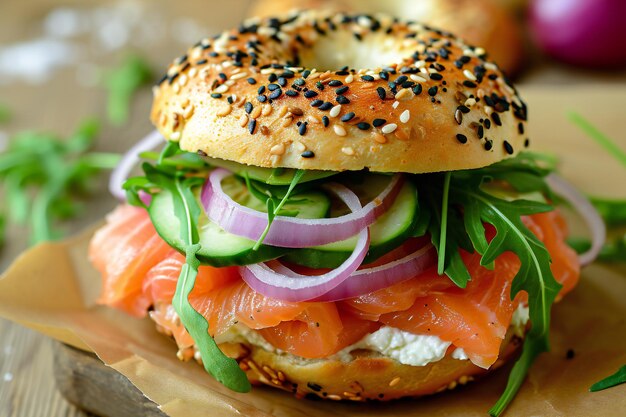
(387, 233)
(220, 248)
(271, 176)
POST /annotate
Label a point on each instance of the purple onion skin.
(587, 33)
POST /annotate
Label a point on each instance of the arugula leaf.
(617, 378)
(613, 212)
(43, 176)
(122, 83)
(273, 208)
(5, 113)
(187, 209)
(601, 139)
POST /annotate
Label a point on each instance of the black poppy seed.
(273, 77)
(480, 132)
(310, 94)
(315, 387)
(508, 148)
(181, 59)
(335, 83)
(317, 103)
(417, 90)
(172, 78)
(302, 131)
(276, 93)
(520, 128)
(342, 72)
(465, 59)
(282, 81)
(487, 123)
(363, 126)
(401, 79)
(461, 138)
(496, 119)
(216, 95)
(162, 80)
(367, 78)
(325, 121)
(252, 126)
(432, 100)
(261, 90)
(488, 144)
(341, 90)
(458, 116)
(464, 109)
(326, 106)
(526, 143)
(291, 93)
(273, 87)
(342, 100)
(305, 74)
(251, 81)
(469, 84)
(262, 99)
(444, 53)
(222, 76)
(213, 54)
(299, 82)
(436, 76)
(248, 107)
(384, 75)
(202, 62)
(381, 93)
(347, 117)
(277, 66)
(408, 84)
(570, 354)
(432, 91)
(379, 122)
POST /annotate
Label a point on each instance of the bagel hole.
(340, 49)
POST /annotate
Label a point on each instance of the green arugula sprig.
(460, 205)
(180, 181)
(617, 378)
(43, 176)
(122, 83)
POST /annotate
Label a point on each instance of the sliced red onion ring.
(128, 162)
(588, 213)
(368, 280)
(290, 232)
(291, 286)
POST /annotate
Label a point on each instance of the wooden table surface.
(26, 382)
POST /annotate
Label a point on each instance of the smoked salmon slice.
(141, 271)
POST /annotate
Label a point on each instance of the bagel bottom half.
(368, 376)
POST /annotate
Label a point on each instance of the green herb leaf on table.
(122, 83)
(5, 113)
(43, 178)
(617, 378)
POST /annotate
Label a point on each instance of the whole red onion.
(590, 33)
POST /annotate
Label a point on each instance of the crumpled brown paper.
(52, 288)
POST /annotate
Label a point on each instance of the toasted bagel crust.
(368, 376)
(243, 97)
(478, 22)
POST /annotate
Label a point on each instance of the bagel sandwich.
(344, 206)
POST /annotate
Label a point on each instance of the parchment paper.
(52, 288)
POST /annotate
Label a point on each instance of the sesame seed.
(379, 122)
(480, 132)
(316, 103)
(461, 138)
(432, 91)
(363, 126)
(325, 121)
(334, 112)
(394, 381)
(291, 93)
(404, 94)
(310, 94)
(307, 154)
(343, 100)
(224, 111)
(508, 148)
(341, 90)
(520, 128)
(496, 119)
(273, 87)
(381, 92)
(405, 116)
(417, 90)
(326, 106)
(347, 117)
(251, 81)
(256, 112)
(417, 78)
(395, 104)
(458, 116)
(526, 143)
(436, 76)
(276, 93)
(248, 107)
(252, 126)
(216, 95)
(488, 144)
(349, 79)
(339, 130)
(297, 111)
(389, 128)
(348, 150)
(277, 149)
(367, 78)
(221, 89)
(335, 83)
(379, 138)
(468, 74)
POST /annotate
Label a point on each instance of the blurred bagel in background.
(483, 23)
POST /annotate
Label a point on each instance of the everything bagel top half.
(327, 91)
